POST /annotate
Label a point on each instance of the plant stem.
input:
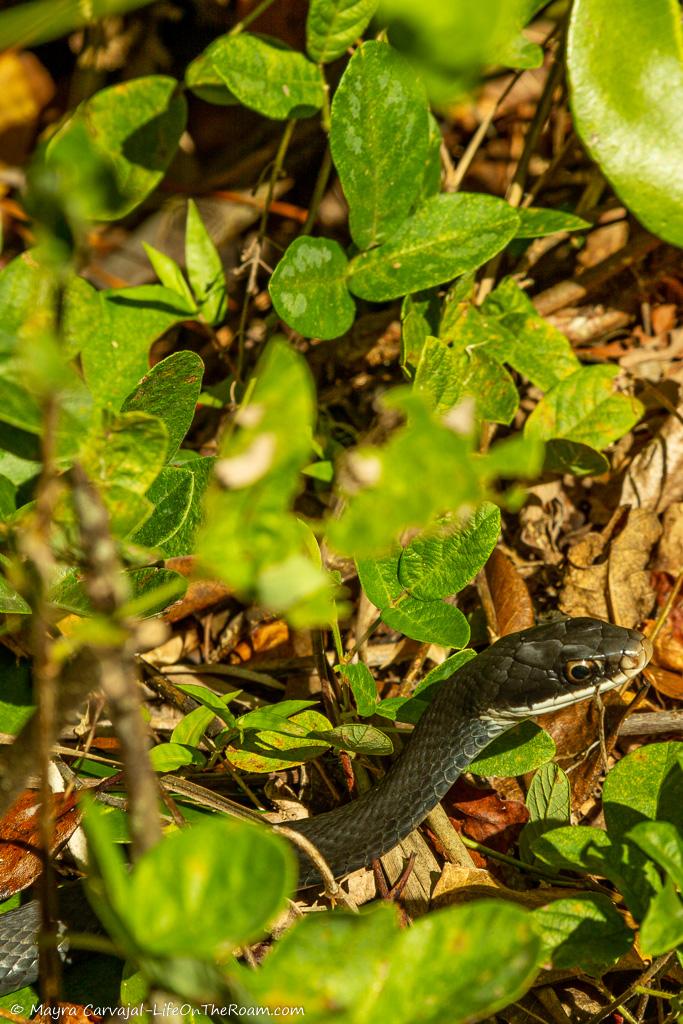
(318, 191)
(249, 18)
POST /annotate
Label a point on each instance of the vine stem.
(249, 18)
(255, 255)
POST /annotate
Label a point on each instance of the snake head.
(564, 662)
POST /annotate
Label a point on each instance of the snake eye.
(579, 671)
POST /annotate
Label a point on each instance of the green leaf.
(573, 457)
(308, 288)
(411, 709)
(40, 21)
(16, 696)
(27, 294)
(585, 932)
(203, 890)
(170, 391)
(135, 126)
(362, 683)
(267, 76)
(204, 268)
(421, 984)
(432, 622)
(435, 566)
(151, 588)
(425, 449)
(379, 139)
(369, 970)
(192, 726)
(447, 373)
(591, 851)
(207, 698)
(11, 602)
(123, 457)
(203, 79)
(662, 928)
(177, 495)
(549, 804)
(515, 752)
(270, 751)
(626, 76)
(447, 236)
(663, 843)
(646, 785)
(360, 739)
(107, 883)
(115, 353)
(333, 25)
(585, 408)
(168, 757)
(169, 273)
(254, 541)
(431, 180)
(535, 222)
(529, 343)
(454, 42)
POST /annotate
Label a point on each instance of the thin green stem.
(249, 18)
(318, 191)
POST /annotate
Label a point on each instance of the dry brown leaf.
(511, 600)
(668, 653)
(268, 635)
(21, 859)
(664, 318)
(544, 517)
(670, 549)
(606, 575)
(459, 884)
(200, 594)
(668, 683)
(655, 478)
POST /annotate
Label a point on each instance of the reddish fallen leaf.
(200, 594)
(511, 600)
(20, 856)
(483, 815)
(668, 683)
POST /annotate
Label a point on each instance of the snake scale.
(522, 675)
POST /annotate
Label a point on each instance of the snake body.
(522, 675)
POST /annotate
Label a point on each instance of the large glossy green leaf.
(205, 889)
(135, 126)
(447, 236)
(586, 931)
(625, 62)
(433, 622)
(267, 76)
(370, 971)
(379, 138)
(333, 25)
(309, 291)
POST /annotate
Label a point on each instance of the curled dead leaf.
(509, 593)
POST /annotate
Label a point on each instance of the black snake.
(522, 675)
